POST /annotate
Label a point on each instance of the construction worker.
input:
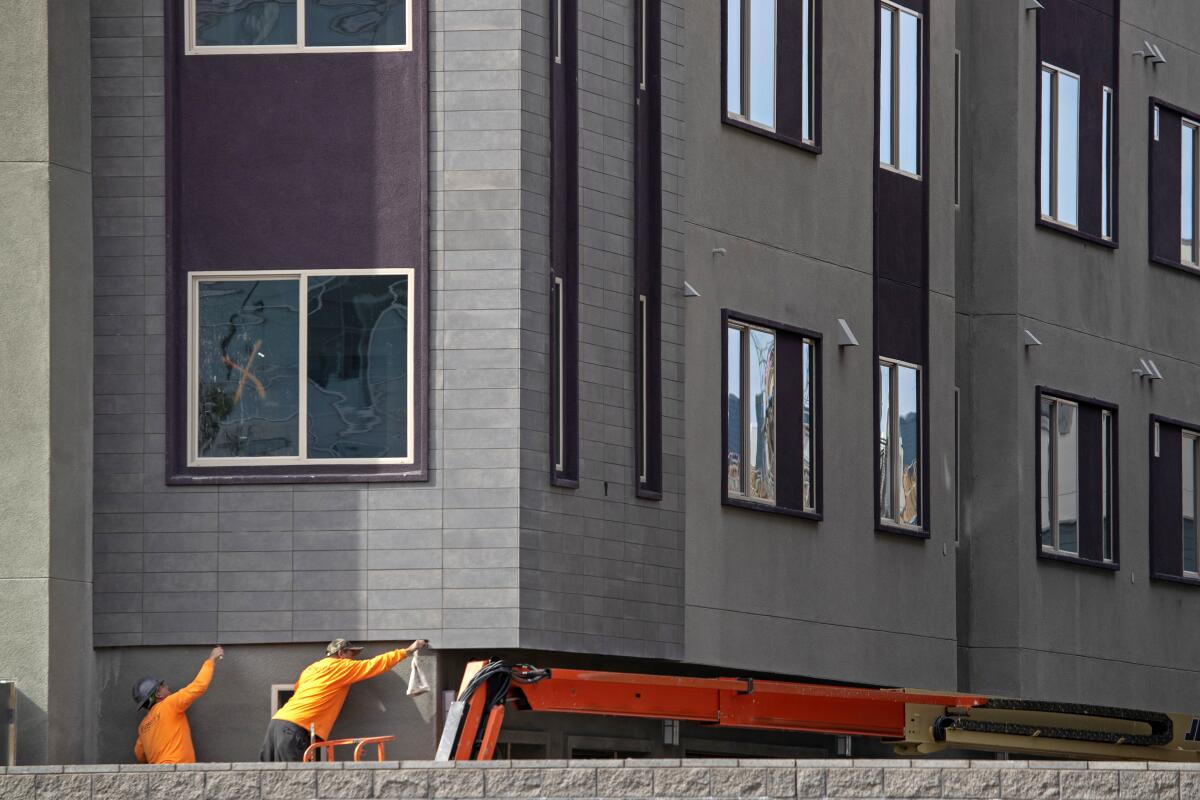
(310, 713)
(164, 736)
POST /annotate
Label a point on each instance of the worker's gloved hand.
(419, 644)
(217, 653)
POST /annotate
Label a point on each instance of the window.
(957, 126)
(300, 368)
(1059, 145)
(1191, 441)
(1187, 193)
(288, 26)
(900, 435)
(770, 67)
(900, 55)
(770, 416)
(1106, 164)
(1174, 500)
(1076, 479)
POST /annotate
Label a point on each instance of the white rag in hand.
(416, 679)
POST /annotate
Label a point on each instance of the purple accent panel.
(648, 251)
(564, 241)
(1165, 185)
(901, 229)
(1081, 37)
(1166, 501)
(295, 161)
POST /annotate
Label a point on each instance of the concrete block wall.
(601, 571)
(585, 780)
(179, 565)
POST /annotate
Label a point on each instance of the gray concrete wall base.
(696, 778)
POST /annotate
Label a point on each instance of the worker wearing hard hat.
(310, 713)
(164, 736)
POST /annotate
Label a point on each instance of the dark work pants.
(285, 741)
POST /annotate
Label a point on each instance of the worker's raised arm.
(352, 671)
(194, 690)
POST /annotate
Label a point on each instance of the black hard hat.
(144, 689)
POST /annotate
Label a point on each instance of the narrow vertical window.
(1187, 194)
(809, 422)
(1045, 478)
(900, 437)
(1066, 443)
(1157, 124)
(957, 467)
(806, 78)
(557, 378)
(761, 414)
(1106, 485)
(1059, 145)
(1190, 557)
(643, 404)
(1106, 162)
(733, 409)
(900, 101)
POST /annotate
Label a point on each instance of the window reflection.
(1067, 477)
(1187, 195)
(761, 455)
(1059, 146)
(1106, 198)
(1046, 502)
(1047, 143)
(358, 367)
(886, 472)
(733, 409)
(908, 428)
(762, 62)
(245, 22)
(809, 426)
(900, 88)
(337, 23)
(733, 56)
(751, 44)
(806, 77)
(248, 367)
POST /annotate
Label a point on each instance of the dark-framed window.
(1077, 136)
(901, 78)
(770, 81)
(219, 27)
(1077, 500)
(1174, 470)
(1174, 186)
(901, 439)
(771, 432)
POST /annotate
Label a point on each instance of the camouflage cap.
(338, 645)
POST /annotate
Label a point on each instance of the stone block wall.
(600, 780)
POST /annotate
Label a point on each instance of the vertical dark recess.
(1166, 500)
(647, 242)
(564, 246)
(901, 268)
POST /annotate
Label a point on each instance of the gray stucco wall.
(601, 570)
(831, 599)
(1034, 628)
(46, 344)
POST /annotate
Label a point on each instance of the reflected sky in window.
(348, 23)
(245, 22)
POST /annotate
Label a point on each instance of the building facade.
(838, 341)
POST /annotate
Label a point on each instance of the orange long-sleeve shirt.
(323, 686)
(164, 736)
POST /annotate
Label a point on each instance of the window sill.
(769, 133)
(882, 526)
(1176, 265)
(750, 505)
(1050, 224)
(903, 173)
(648, 494)
(564, 483)
(1066, 558)
(349, 473)
(1179, 579)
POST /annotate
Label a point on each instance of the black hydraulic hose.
(1161, 727)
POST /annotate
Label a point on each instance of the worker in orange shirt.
(164, 736)
(319, 695)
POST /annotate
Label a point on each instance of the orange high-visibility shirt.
(323, 686)
(164, 737)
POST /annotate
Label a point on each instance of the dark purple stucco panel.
(296, 161)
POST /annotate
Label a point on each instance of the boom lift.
(914, 722)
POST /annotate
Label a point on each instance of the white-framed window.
(1106, 165)
(1107, 486)
(558, 375)
(900, 435)
(751, 33)
(304, 367)
(644, 381)
(900, 88)
(1059, 145)
(1191, 558)
(1188, 201)
(226, 27)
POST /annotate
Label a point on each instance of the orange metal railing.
(359, 743)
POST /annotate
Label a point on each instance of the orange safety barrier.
(358, 743)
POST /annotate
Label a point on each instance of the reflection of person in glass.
(763, 475)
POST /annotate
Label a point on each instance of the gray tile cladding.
(485, 554)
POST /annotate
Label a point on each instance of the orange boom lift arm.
(915, 722)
